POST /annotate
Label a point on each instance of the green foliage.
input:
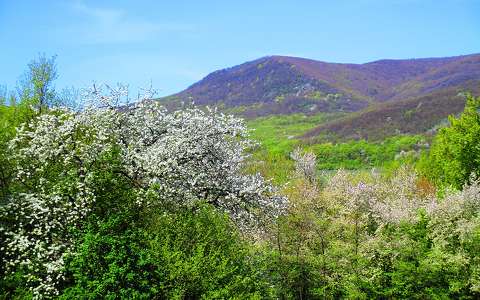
(277, 138)
(455, 153)
(277, 134)
(353, 235)
(112, 261)
(36, 87)
(276, 167)
(408, 263)
(34, 93)
(200, 255)
(10, 118)
(332, 244)
(363, 154)
(13, 286)
(274, 161)
(111, 257)
(179, 255)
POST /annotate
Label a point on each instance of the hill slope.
(409, 116)
(384, 89)
(269, 85)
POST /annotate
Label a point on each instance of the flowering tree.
(167, 159)
(305, 164)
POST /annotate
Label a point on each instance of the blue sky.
(175, 43)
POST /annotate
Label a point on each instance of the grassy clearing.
(277, 133)
(277, 138)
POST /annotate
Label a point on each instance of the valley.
(352, 116)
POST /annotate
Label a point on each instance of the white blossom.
(176, 158)
(305, 164)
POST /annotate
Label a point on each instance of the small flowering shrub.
(305, 164)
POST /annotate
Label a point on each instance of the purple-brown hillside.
(283, 85)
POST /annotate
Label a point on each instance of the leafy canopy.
(455, 153)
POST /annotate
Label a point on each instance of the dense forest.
(119, 199)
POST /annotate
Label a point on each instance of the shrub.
(200, 254)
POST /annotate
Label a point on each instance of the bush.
(180, 255)
(200, 254)
(111, 261)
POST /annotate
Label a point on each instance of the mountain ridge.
(279, 84)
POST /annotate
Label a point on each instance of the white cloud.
(113, 25)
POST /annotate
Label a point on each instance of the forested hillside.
(285, 85)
